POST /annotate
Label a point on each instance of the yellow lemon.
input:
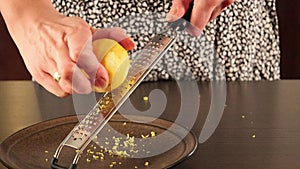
(115, 59)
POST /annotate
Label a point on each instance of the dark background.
(289, 26)
(13, 68)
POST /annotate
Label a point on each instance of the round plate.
(121, 144)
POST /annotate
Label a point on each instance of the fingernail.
(194, 31)
(171, 16)
(127, 43)
(101, 82)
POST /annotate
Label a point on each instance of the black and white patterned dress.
(241, 44)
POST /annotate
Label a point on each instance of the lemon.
(115, 59)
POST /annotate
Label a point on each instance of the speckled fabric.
(241, 44)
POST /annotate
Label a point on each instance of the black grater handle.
(188, 13)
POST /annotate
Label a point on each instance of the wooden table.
(260, 126)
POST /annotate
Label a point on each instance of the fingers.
(72, 78)
(101, 80)
(80, 83)
(47, 81)
(88, 61)
(209, 9)
(203, 11)
(82, 70)
(117, 34)
(200, 16)
(178, 9)
(44, 75)
(77, 38)
(217, 11)
(81, 53)
(80, 47)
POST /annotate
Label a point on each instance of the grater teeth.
(143, 61)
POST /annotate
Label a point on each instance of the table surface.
(259, 128)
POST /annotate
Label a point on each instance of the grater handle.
(54, 165)
(188, 13)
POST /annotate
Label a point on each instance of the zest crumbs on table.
(146, 163)
(145, 98)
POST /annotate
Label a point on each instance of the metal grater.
(83, 133)
(142, 63)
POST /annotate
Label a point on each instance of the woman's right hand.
(203, 11)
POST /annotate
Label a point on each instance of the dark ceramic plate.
(121, 144)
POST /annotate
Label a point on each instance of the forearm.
(25, 11)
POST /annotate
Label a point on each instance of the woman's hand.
(203, 12)
(50, 42)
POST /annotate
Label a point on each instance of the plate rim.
(76, 118)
